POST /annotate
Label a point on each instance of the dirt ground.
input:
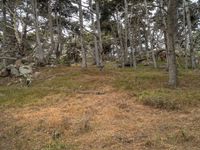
(104, 118)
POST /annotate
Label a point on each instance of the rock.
(18, 63)
(4, 72)
(25, 70)
(36, 75)
(147, 63)
(14, 71)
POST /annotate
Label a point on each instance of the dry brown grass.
(111, 120)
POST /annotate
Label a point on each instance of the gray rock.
(14, 71)
(25, 70)
(4, 72)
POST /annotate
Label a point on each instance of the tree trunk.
(164, 31)
(126, 33)
(4, 30)
(186, 36)
(39, 54)
(50, 28)
(99, 34)
(17, 36)
(120, 40)
(189, 26)
(59, 35)
(130, 37)
(148, 36)
(96, 51)
(171, 34)
(84, 60)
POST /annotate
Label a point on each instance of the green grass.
(150, 87)
(21, 96)
(61, 80)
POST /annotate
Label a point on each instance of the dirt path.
(111, 120)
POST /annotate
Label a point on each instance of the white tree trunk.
(84, 59)
(4, 30)
(39, 54)
(189, 27)
(120, 40)
(148, 36)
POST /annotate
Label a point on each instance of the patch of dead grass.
(111, 120)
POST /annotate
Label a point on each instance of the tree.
(171, 38)
(39, 54)
(4, 29)
(83, 50)
(100, 46)
(190, 45)
(96, 50)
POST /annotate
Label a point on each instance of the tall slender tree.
(83, 50)
(171, 34)
(100, 46)
(39, 53)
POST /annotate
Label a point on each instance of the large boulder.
(25, 70)
(14, 71)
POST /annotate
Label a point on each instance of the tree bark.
(164, 31)
(4, 30)
(148, 36)
(96, 51)
(120, 40)
(84, 60)
(171, 34)
(59, 35)
(126, 33)
(189, 27)
(99, 34)
(50, 28)
(130, 37)
(39, 54)
(186, 44)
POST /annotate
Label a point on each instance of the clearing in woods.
(118, 109)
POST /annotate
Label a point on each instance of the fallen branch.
(11, 58)
(90, 92)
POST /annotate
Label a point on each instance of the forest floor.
(116, 109)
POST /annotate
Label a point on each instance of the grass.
(61, 80)
(57, 145)
(21, 96)
(110, 120)
(148, 85)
